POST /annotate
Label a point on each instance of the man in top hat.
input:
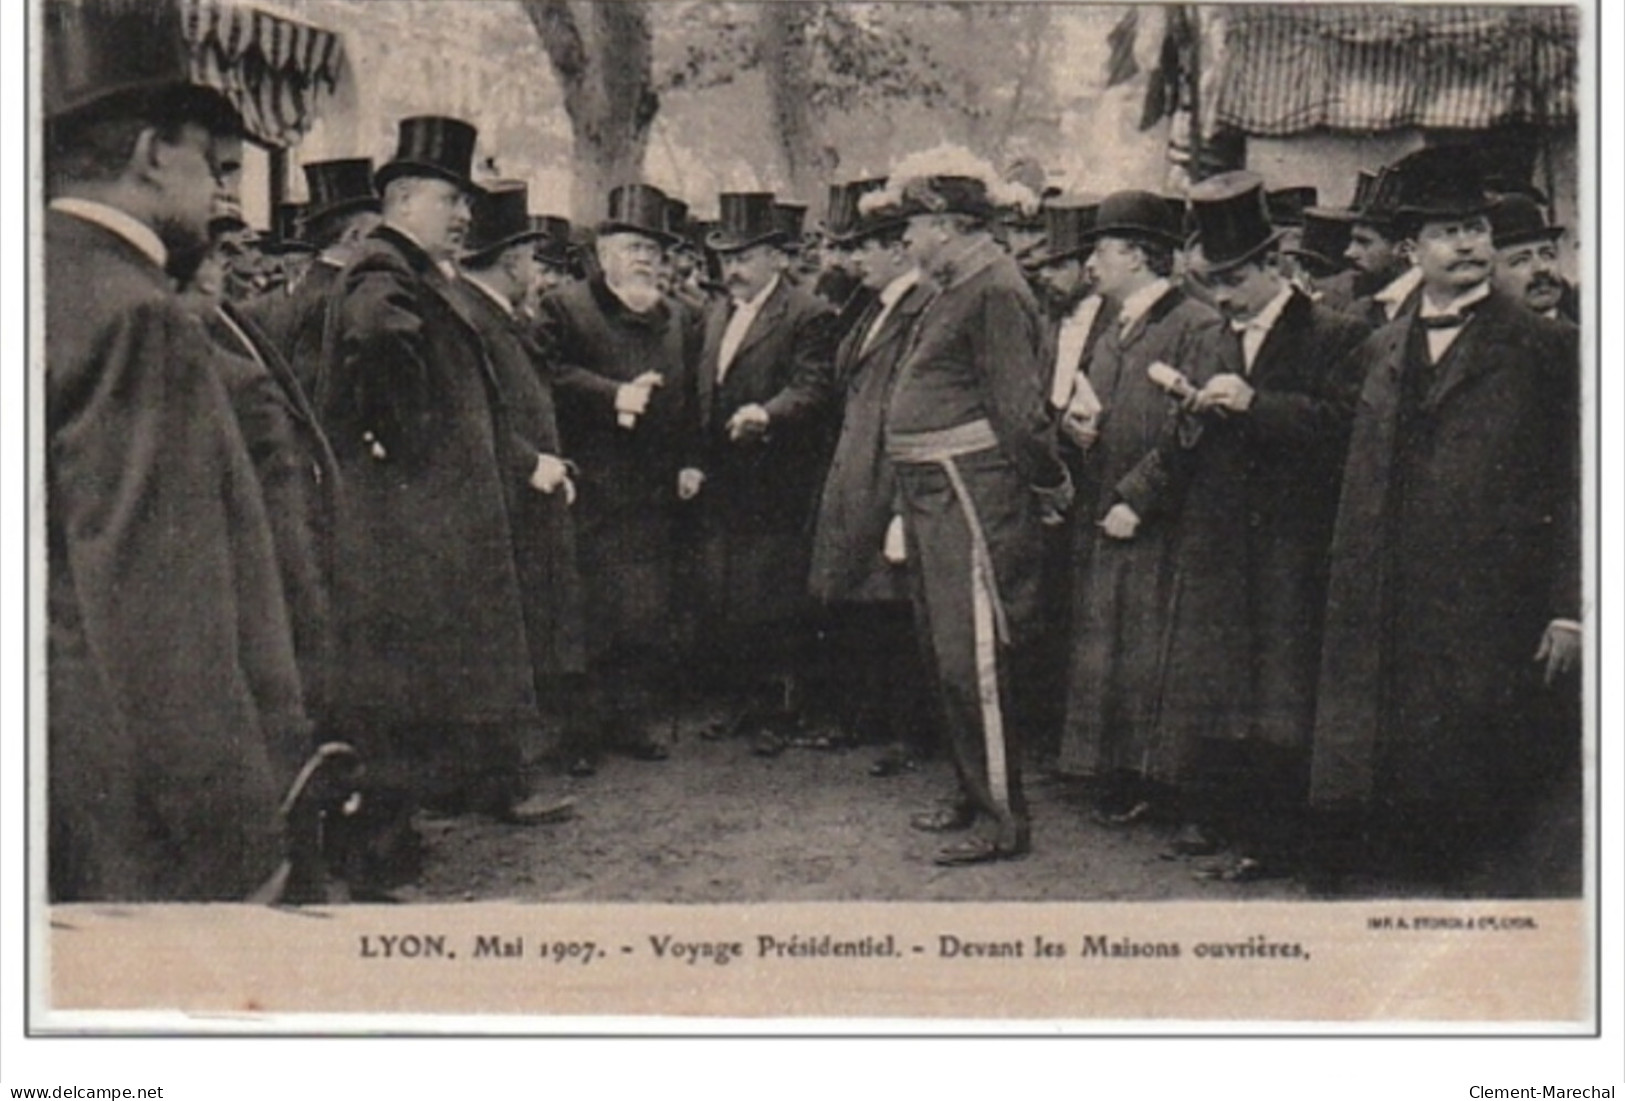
(285, 246)
(974, 455)
(1388, 283)
(764, 386)
(499, 272)
(1528, 266)
(623, 354)
(434, 664)
(841, 280)
(175, 718)
(343, 209)
(1319, 265)
(1126, 542)
(555, 260)
(859, 574)
(1453, 622)
(1263, 439)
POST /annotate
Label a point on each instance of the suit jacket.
(427, 599)
(1457, 541)
(294, 323)
(174, 697)
(860, 490)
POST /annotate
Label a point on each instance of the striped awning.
(1291, 69)
(279, 72)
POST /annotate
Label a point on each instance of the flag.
(1121, 66)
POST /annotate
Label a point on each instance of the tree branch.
(556, 27)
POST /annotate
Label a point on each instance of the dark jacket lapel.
(768, 319)
(1282, 344)
(1475, 352)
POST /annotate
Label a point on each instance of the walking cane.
(328, 759)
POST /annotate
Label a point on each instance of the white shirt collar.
(1265, 319)
(114, 220)
(479, 284)
(1084, 313)
(898, 287)
(755, 304)
(1457, 304)
(1399, 290)
(1138, 304)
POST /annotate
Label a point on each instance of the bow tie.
(1453, 320)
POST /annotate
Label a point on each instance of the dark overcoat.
(1457, 542)
(1249, 581)
(298, 476)
(626, 513)
(544, 535)
(1120, 597)
(294, 322)
(859, 497)
(426, 592)
(174, 702)
(755, 509)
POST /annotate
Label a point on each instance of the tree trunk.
(602, 55)
(787, 66)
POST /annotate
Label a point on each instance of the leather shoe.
(767, 743)
(944, 819)
(583, 767)
(1193, 840)
(979, 850)
(537, 811)
(893, 764)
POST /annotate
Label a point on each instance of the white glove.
(551, 475)
(632, 398)
(689, 481)
(749, 422)
(1121, 522)
(895, 549)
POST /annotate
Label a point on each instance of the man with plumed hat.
(974, 451)
(1126, 543)
(1453, 631)
(1528, 265)
(623, 354)
(859, 573)
(498, 270)
(175, 713)
(434, 666)
(1388, 282)
(764, 389)
(343, 209)
(1263, 439)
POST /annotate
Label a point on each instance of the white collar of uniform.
(114, 220)
(1138, 304)
(479, 284)
(898, 287)
(1264, 320)
(1457, 304)
(1397, 291)
(755, 304)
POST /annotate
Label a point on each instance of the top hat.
(1232, 219)
(500, 219)
(1374, 195)
(1518, 219)
(638, 208)
(287, 230)
(746, 219)
(1287, 204)
(553, 239)
(790, 217)
(1325, 238)
(106, 57)
(339, 187)
(1439, 182)
(431, 145)
(1135, 214)
(842, 216)
(1066, 225)
(677, 219)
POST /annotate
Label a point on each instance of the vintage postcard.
(617, 517)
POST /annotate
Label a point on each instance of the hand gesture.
(1121, 522)
(1226, 393)
(689, 481)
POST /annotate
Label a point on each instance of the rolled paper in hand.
(1170, 381)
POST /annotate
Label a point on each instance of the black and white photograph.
(909, 511)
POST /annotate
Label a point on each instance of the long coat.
(544, 536)
(755, 509)
(860, 491)
(1120, 597)
(295, 322)
(1249, 578)
(627, 514)
(175, 714)
(1457, 541)
(430, 621)
(299, 478)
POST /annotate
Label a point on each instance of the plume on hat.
(910, 182)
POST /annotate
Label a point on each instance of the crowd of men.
(1252, 518)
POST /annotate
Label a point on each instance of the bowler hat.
(1066, 224)
(287, 230)
(434, 146)
(1287, 204)
(1135, 214)
(1326, 235)
(638, 208)
(842, 217)
(500, 219)
(118, 57)
(1518, 219)
(339, 187)
(1439, 182)
(553, 239)
(746, 218)
(1232, 219)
